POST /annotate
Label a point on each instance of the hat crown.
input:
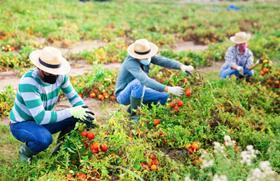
(241, 36)
(51, 55)
(142, 45)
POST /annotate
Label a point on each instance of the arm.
(71, 93)
(32, 100)
(135, 69)
(250, 65)
(166, 62)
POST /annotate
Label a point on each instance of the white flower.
(207, 163)
(255, 175)
(248, 155)
(265, 166)
(218, 148)
(263, 173)
(227, 138)
(187, 178)
(206, 160)
(220, 178)
(228, 141)
(249, 147)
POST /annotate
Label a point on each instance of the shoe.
(134, 104)
(25, 154)
(56, 148)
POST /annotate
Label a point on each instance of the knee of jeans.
(223, 75)
(137, 90)
(45, 141)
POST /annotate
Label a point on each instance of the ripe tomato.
(81, 176)
(153, 156)
(94, 146)
(172, 104)
(188, 92)
(180, 103)
(95, 151)
(104, 148)
(90, 136)
(176, 108)
(84, 134)
(153, 167)
(156, 122)
(265, 70)
(100, 97)
(92, 95)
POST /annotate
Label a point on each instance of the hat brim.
(153, 52)
(233, 39)
(63, 69)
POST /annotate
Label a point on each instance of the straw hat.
(240, 37)
(142, 49)
(50, 60)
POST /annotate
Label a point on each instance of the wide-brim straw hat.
(50, 60)
(142, 49)
(240, 37)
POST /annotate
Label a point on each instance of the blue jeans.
(135, 89)
(39, 137)
(228, 72)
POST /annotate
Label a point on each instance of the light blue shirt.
(234, 57)
(132, 69)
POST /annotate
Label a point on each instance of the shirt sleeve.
(33, 102)
(144, 79)
(166, 62)
(71, 93)
(230, 57)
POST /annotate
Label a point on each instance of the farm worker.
(238, 58)
(134, 86)
(33, 118)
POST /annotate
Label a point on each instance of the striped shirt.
(233, 57)
(36, 99)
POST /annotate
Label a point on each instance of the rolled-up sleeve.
(166, 62)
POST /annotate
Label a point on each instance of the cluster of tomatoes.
(177, 103)
(101, 95)
(152, 164)
(192, 147)
(94, 147)
(8, 48)
(264, 71)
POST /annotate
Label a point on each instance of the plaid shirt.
(233, 57)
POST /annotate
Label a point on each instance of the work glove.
(240, 70)
(177, 91)
(187, 68)
(82, 114)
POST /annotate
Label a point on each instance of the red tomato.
(180, 103)
(188, 92)
(90, 136)
(104, 148)
(84, 134)
(156, 122)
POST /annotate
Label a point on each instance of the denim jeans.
(135, 89)
(39, 137)
(228, 72)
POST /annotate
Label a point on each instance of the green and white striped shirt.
(36, 99)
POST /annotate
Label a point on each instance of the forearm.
(166, 62)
